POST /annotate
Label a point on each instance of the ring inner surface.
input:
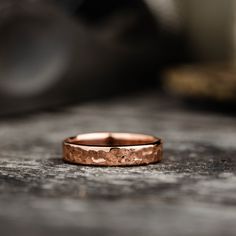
(113, 139)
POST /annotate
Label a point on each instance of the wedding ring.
(112, 149)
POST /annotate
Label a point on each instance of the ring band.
(112, 149)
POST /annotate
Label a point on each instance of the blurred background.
(161, 67)
(59, 52)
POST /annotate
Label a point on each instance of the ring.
(112, 149)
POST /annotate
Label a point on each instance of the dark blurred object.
(35, 45)
(212, 83)
(52, 52)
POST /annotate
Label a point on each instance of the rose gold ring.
(112, 149)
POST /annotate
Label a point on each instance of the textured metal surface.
(192, 191)
(112, 149)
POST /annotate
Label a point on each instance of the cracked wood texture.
(191, 192)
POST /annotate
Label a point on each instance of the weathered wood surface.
(191, 192)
